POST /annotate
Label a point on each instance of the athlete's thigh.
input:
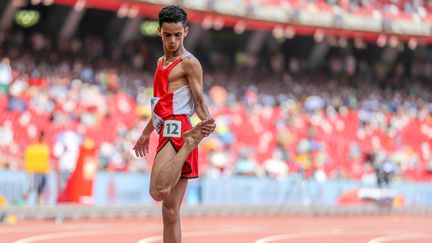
(176, 195)
(166, 153)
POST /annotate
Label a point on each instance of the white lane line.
(95, 232)
(191, 234)
(295, 236)
(401, 237)
(313, 234)
(338, 231)
(62, 235)
(152, 239)
(54, 227)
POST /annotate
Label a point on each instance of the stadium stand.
(331, 121)
(326, 121)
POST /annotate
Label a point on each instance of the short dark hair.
(172, 14)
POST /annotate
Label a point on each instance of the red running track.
(247, 229)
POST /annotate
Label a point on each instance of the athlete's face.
(172, 35)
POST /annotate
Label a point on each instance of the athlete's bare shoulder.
(159, 60)
(193, 71)
(190, 62)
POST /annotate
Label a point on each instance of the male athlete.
(178, 92)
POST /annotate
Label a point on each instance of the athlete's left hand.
(142, 145)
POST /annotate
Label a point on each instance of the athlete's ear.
(159, 31)
(186, 31)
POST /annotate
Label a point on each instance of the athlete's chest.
(176, 72)
(176, 78)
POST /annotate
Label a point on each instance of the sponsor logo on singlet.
(157, 120)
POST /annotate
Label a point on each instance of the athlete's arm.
(194, 74)
(148, 128)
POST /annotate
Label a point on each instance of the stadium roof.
(300, 19)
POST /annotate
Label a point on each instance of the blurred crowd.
(398, 8)
(349, 119)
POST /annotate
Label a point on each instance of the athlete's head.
(172, 27)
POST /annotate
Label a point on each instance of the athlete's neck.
(172, 55)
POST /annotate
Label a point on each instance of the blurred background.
(317, 102)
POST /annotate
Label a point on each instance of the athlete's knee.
(159, 194)
(170, 214)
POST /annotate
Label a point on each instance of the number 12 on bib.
(172, 128)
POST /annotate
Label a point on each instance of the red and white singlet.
(170, 114)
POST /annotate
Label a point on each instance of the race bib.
(172, 128)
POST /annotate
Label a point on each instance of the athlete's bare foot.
(194, 136)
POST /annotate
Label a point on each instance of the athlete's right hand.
(142, 145)
(209, 126)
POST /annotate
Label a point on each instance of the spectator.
(66, 151)
(5, 75)
(37, 165)
(245, 165)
